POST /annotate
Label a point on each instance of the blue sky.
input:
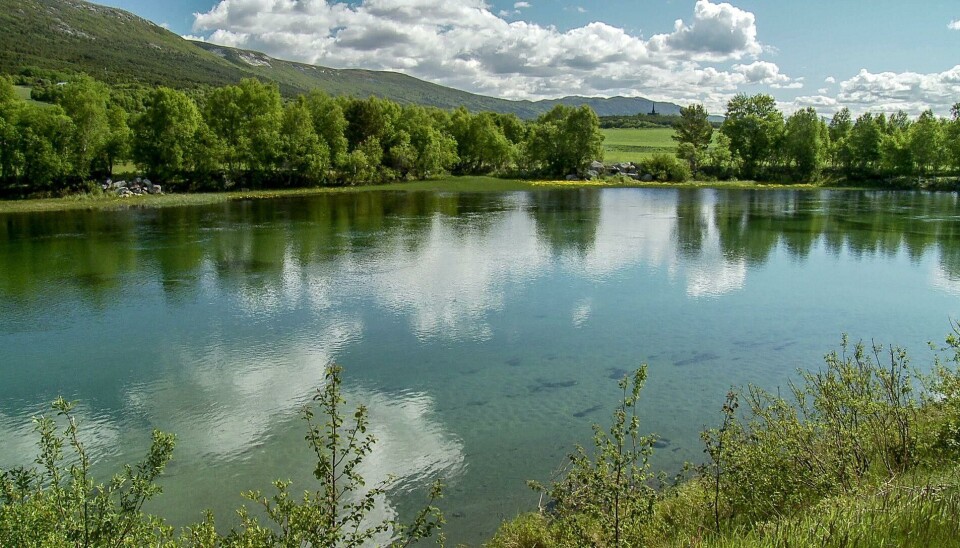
(868, 55)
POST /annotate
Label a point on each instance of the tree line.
(248, 135)
(757, 141)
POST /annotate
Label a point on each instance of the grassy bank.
(447, 184)
(863, 452)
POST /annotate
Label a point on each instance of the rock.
(596, 166)
(591, 174)
(647, 178)
(573, 177)
(155, 189)
(635, 176)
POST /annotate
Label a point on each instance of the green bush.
(60, 504)
(665, 168)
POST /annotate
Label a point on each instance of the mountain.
(121, 48)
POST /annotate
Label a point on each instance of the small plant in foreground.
(604, 499)
(337, 514)
(60, 504)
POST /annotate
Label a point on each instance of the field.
(633, 145)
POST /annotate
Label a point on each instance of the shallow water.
(485, 332)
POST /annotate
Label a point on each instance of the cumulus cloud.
(762, 72)
(462, 44)
(954, 25)
(908, 91)
(718, 32)
(830, 80)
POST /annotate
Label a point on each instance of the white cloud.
(908, 91)
(954, 25)
(718, 32)
(521, 5)
(762, 72)
(462, 44)
(830, 80)
(581, 9)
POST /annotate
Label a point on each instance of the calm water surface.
(485, 332)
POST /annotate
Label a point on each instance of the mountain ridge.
(119, 47)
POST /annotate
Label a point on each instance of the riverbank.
(447, 184)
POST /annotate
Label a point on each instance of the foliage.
(665, 168)
(337, 513)
(604, 498)
(565, 140)
(694, 130)
(853, 456)
(806, 144)
(754, 126)
(60, 503)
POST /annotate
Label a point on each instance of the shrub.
(665, 168)
(60, 504)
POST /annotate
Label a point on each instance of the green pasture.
(633, 145)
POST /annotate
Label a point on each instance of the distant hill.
(118, 47)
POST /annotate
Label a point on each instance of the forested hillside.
(117, 47)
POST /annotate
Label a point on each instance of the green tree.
(865, 145)
(164, 132)
(205, 157)
(119, 138)
(329, 124)
(564, 140)
(44, 149)
(952, 135)
(263, 115)
(754, 126)
(85, 100)
(10, 107)
(693, 129)
(224, 116)
(428, 148)
(926, 143)
(247, 117)
(304, 156)
(371, 118)
(806, 142)
(840, 126)
(482, 146)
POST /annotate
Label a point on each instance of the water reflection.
(482, 330)
(258, 244)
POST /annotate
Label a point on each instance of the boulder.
(647, 178)
(591, 174)
(596, 166)
(573, 177)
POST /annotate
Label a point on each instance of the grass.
(634, 145)
(446, 184)
(23, 93)
(918, 510)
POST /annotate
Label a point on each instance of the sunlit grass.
(446, 184)
(634, 145)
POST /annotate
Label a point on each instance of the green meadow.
(633, 145)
